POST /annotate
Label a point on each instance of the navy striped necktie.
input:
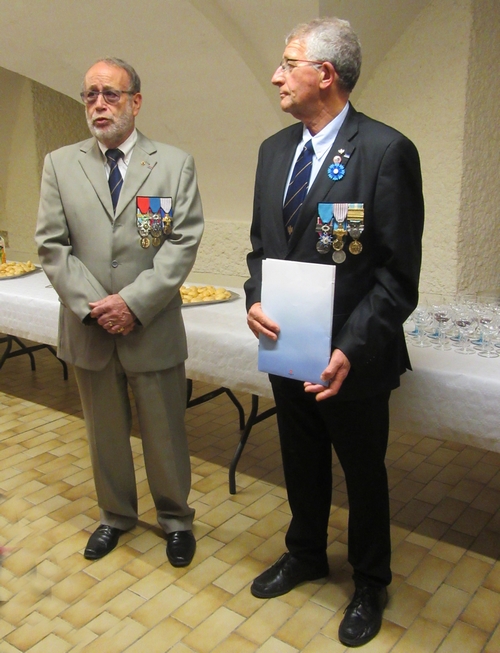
(115, 180)
(297, 188)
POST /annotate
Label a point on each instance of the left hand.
(113, 314)
(336, 372)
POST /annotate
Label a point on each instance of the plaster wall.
(37, 120)
(22, 177)
(479, 230)
(420, 89)
(11, 85)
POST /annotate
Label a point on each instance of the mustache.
(96, 117)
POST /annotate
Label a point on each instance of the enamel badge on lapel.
(335, 222)
(154, 217)
(337, 169)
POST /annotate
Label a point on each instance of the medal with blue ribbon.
(324, 227)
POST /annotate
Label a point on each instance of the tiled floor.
(446, 540)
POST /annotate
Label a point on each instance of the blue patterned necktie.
(297, 188)
(115, 180)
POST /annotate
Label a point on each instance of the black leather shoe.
(363, 615)
(181, 546)
(284, 575)
(101, 542)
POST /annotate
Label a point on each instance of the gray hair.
(333, 40)
(135, 80)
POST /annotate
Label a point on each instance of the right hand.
(259, 323)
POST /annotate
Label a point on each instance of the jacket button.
(114, 264)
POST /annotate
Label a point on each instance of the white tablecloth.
(29, 308)
(447, 396)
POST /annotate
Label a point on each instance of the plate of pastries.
(14, 269)
(196, 295)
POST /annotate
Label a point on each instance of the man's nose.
(277, 77)
(100, 103)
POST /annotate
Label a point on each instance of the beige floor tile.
(422, 635)
(233, 527)
(322, 644)
(448, 551)
(492, 581)
(213, 630)
(124, 604)
(406, 557)
(301, 628)
(201, 605)
(406, 604)
(238, 575)
(483, 611)
(202, 575)
(103, 623)
(493, 644)
(266, 621)
(238, 548)
(222, 513)
(274, 645)
(469, 574)
(51, 643)
(460, 634)
(446, 605)
(430, 573)
(235, 643)
(118, 638)
(160, 638)
(160, 606)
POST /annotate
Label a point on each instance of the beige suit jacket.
(88, 252)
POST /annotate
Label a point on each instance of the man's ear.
(328, 74)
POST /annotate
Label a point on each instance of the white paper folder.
(299, 298)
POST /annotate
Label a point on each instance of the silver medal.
(339, 256)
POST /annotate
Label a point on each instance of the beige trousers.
(160, 398)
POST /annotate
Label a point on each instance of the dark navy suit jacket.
(375, 290)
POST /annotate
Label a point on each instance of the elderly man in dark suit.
(119, 225)
(363, 212)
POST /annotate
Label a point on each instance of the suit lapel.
(93, 166)
(344, 145)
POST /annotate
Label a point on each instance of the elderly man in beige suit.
(119, 224)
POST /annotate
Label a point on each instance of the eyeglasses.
(110, 96)
(287, 68)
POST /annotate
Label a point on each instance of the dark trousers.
(358, 430)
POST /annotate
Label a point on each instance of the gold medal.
(156, 241)
(338, 244)
(355, 247)
(167, 225)
(145, 243)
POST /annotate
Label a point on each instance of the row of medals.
(332, 233)
(151, 227)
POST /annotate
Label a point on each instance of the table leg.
(211, 395)
(253, 418)
(27, 349)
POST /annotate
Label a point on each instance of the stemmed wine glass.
(466, 322)
(443, 315)
(489, 324)
(422, 318)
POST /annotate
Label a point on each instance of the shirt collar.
(126, 147)
(324, 139)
